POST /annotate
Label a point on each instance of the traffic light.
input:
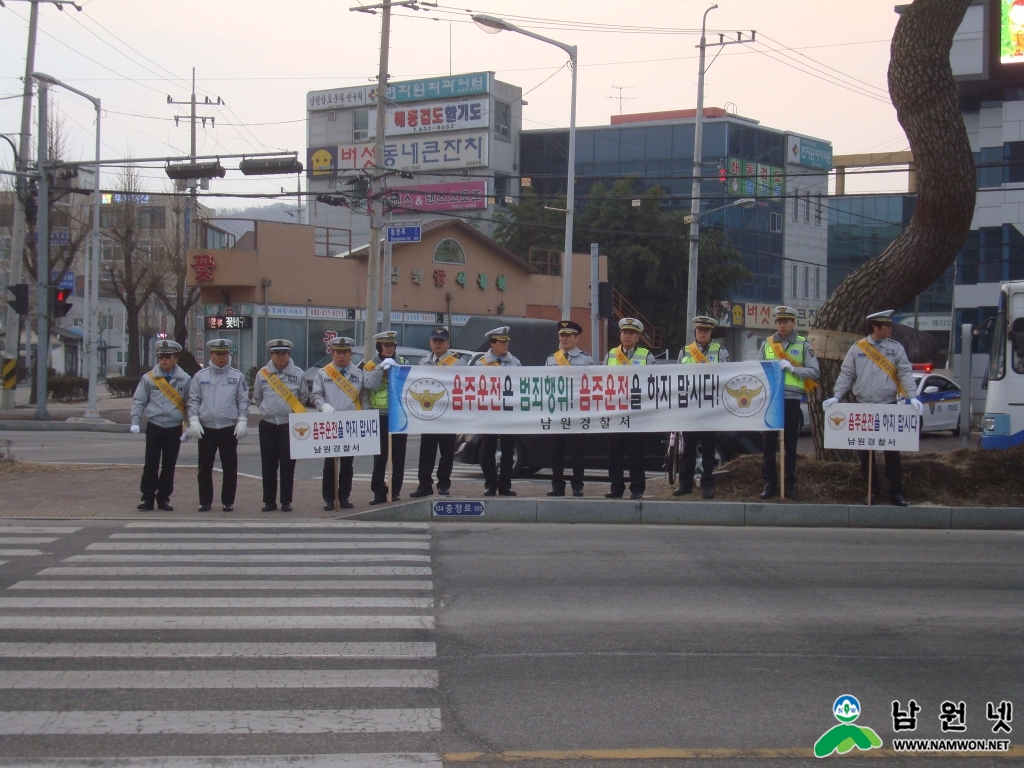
(20, 300)
(59, 304)
(337, 200)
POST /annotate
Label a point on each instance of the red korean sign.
(455, 196)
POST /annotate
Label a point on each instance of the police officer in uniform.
(628, 353)
(387, 347)
(877, 370)
(278, 390)
(800, 372)
(568, 354)
(495, 482)
(340, 386)
(702, 350)
(430, 444)
(161, 396)
(218, 416)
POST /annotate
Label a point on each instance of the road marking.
(262, 622)
(212, 722)
(226, 546)
(294, 525)
(28, 539)
(710, 753)
(48, 529)
(37, 603)
(151, 679)
(319, 558)
(270, 536)
(19, 552)
(218, 651)
(175, 584)
(351, 760)
(236, 570)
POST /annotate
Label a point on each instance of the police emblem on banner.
(301, 430)
(836, 420)
(426, 399)
(745, 395)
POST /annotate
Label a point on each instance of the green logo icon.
(844, 737)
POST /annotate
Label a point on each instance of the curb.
(508, 510)
(29, 425)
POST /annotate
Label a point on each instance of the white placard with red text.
(315, 435)
(872, 427)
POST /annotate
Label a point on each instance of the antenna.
(620, 98)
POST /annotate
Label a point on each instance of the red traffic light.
(59, 301)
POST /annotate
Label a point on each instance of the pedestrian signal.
(59, 304)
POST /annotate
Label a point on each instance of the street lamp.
(746, 202)
(92, 265)
(493, 25)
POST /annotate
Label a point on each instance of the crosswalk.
(172, 644)
(25, 540)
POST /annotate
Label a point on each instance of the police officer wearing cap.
(800, 374)
(218, 416)
(439, 356)
(702, 350)
(161, 397)
(278, 390)
(877, 370)
(495, 481)
(387, 346)
(568, 354)
(628, 353)
(341, 386)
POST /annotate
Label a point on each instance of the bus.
(1003, 424)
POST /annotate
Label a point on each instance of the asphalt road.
(583, 645)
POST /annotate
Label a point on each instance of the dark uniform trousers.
(574, 444)
(162, 446)
(212, 441)
(488, 446)
(769, 472)
(893, 471)
(378, 481)
(706, 441)
(429, 445)
(344, 478)
(618, 445)
(275, 451)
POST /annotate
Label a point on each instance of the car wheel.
(956, 432)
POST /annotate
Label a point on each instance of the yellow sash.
(168, 391)
(344, 385)
(695, 353)
(286, 394)
(878, 359)
(451, 359)
(560, 358)
(809, 384)
(621, 356)
(370, 366)
(496, 362)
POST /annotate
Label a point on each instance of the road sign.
(67, 282)
(404, 234)
(458, 508)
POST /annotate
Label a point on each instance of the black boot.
(791, 491)
(897, 500)
(682, 490)
(770, 490)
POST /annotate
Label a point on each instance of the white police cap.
(219, 345)
(631, 324)
(499, 334)
(387, 337)
(167, 345)
(881, 317)
(279, 345)
(341, 343)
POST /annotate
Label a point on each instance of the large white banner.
(872, 427)
(658, 398)
(315, 435)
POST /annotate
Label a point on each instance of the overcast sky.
(262, 57)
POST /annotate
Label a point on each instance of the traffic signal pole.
(42, 261)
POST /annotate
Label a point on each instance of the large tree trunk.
(134, 364)
(925, 96)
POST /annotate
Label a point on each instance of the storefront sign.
(456, 196)
(202, 267)
(333, 313)
(321, 161)
(748, 179)
(926, 322)
(330, 435)
(433, 117)
(227, 322)
(419, 154)
(404, 91)
(808, 153)
(281, 311)
(757, 316)
(586, 399)
(868, 427)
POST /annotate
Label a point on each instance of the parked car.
(412, 354)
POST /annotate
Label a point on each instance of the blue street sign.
(67, 282)
(458, 508)
(404, 234)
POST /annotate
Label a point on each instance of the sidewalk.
(116, 409)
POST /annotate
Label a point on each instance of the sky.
(818, 68)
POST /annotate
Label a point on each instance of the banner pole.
(871, 466)
(390, 469)
(782, 463)
(334, 471)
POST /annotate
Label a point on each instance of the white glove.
(241, 428)
(135, 429)
(918, 405)
(326, 408)
(386, 363)
(195, 428)
(786, 365)
(826, 404)
(185, 436)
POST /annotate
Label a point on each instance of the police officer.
(702, 350)
(161, 396)
(278, 390)
(800, 369)
(495, 482)
(628, 353)
(218, 416)
(568, 354)
(878, 370)
(340, 386)
(439, 356)
(387, 347)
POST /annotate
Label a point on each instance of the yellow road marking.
(694, 754)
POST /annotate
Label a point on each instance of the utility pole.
(620, 98)
(42, 260)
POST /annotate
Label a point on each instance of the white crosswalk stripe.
(7, 540)
(217, 650)
(274, 536)
(324, 525)
(219, 546)
(216, 602)
(266, 622)
(324, 584)
(220, 558)
(219, 678)
(355, 760)
(236, 570)
(20, 552)
(47, 529)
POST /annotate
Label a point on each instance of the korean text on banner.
(869, 427)
(330, 435)
(746, 397)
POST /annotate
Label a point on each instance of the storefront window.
(448, 251)
(319, 332)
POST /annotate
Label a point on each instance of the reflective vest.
(796, 351)
(639, 356)
(379, 397)
(711, 354)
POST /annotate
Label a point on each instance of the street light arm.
(501, 25)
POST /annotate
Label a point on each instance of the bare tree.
(174, 292)
(924, 93)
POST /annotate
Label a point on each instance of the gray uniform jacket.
(326, 391)
(436, 361)
(151, 401)
(576, 357)
(273, 407)
(218, 397)
(508, 359)
(809, 370)
(870, 384)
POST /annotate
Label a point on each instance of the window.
(817, 210)
(360, 124)
(500, 189)
(1013, 159)
(796, 205)
(989, 164)
(775, 222)
(807, 281)
(807, 207)
(151, 217)
(448, 251)
(817, 282)
(1017, 361)
(502, 119)
(794, 280)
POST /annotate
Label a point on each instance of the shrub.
(250, 378)
(67, 388)
(122, 386)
